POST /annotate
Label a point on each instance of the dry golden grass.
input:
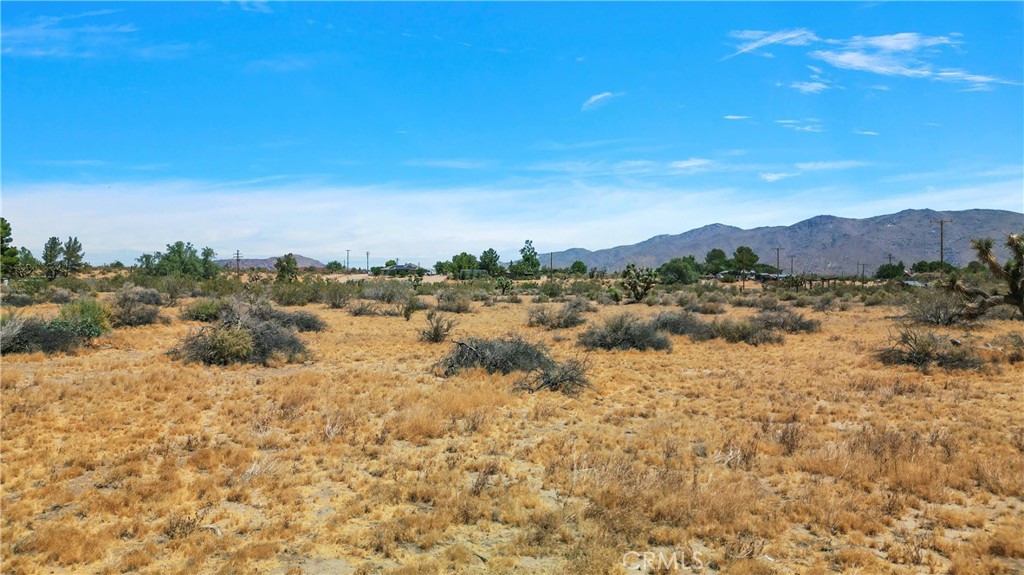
(805, 457)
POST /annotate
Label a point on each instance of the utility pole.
(791, 259)
(346, 261)
(238, 262)
(367, 262)
(778, 266)
(942, 245)
(551, 262)
(890, 259)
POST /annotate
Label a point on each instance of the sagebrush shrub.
(937, 307)
(135, 306)
(453, 300)
(503, 355)
(625, 331)
(438, 327)
(685, 323)
(910, 346)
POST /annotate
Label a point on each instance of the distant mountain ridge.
(822, 244)
(268, 263)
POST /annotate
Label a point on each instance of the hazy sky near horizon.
(416, 131)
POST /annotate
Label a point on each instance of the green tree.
(889, 271)
(679, 270)
(181, 259)
(71, 263)
(744, 259)
(390, 263)
(578, 268)
(8, 253)
(445, 268)
(529, 264)
(53, 252)
(490, 261)
(464, 262)
(716, 261)
(638, 281)
(208, 267)
(334, 267)
(287, 268)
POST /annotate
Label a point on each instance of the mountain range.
(268, 263)
(822, 244)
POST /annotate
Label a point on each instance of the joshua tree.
(1012, 272)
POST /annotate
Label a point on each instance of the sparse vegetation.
(135, 306)
(625, 331)
(438, 327)
(569, 315)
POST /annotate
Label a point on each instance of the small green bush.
(388, 291)
(438, 327)
(736, 331)
(337, 295)
(361, 308)
(625, 331)
(569, 315)
(17, 299)
(86, 311)
(206, 309)
(293, 293)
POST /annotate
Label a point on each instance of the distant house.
(402, 270)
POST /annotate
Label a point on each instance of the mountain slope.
(822, 244)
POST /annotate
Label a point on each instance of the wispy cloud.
(734, 117)
(757, 39)
(832, 165)
(254, 6)
(865, 132)
(809, 125)
(282, 63)
(598, 100)
(450, 164)
(692, 165)
(79, 36)
(904, 54)
(809, 87)
(776, 176)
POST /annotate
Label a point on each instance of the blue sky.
(417, 131)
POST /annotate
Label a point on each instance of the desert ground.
(805, 456)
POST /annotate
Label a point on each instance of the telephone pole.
(367, 262)
(791, 260)
(890, 259)
(942, 245)
(778, 265)
(346, 261)
(238, 262)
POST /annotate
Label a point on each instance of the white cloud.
(833, 165)
(901, 42)
(692, 165)
(598, 100)
(282, 63)
(759, 39)
(865, 132)
(811, 125)
(884, 64)
(733, 117)
(776, 176)
(810, 87)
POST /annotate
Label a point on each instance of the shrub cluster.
(27, 335)
(569, 315)
(207, 310)
(337, 295)
(453, 300)
(625, 331)
(923, 349)
(249, 332)
(134, 306)
(937, 307)
(505, 355)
